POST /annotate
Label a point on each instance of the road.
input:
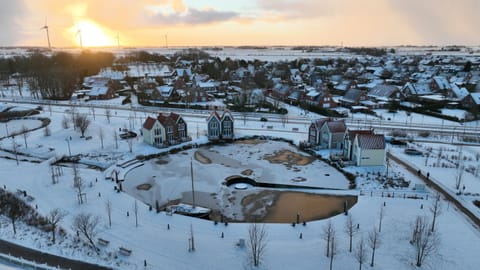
(45, 258)
(457, 130)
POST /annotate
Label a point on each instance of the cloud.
(194, 17)
(441, 21)
(10, 20)
(303, 9)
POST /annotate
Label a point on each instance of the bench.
(125, 251)
(103, 242)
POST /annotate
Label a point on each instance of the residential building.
(369, 150)
(332, 133)
(220, 127)
(349, 139)
(164, 130)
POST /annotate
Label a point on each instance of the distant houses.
(164, 130)
(220, 127)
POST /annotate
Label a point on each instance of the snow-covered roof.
(370, 141)
(165, 90)
(441, 82)
(476, 98)
(459, 93)
(98, 91)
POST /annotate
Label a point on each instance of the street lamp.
(68, 143)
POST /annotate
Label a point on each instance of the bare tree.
(374, 243)
(284, 119)
(46, 131)
(65, 123)
(15, 149)
(108, 207)
(244, 117)
(10, 206)
(82, 122)
(350, 229)
(130, 144)
(115, 137)
(257, 242)
(135, 211)
(333, 249)
(24, 131)
(425, 241)
(360, 253)
(328, 232)
(108, 114)
(78, 184)
(101, 135)
(436, 209)
(54, 217)
(73, 116)
(86, 225)
(381, 214)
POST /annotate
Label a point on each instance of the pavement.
(45, 258)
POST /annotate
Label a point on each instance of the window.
(181, 130)
(214, 129)
(227, 128)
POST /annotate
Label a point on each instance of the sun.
(90, 34)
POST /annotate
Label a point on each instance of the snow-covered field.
(162, 240)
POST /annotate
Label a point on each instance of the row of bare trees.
(425, 239)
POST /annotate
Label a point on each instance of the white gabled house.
(164, 130)
(369, 150)
(220, 127)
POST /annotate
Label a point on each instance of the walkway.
(439, 189)
(45, 258)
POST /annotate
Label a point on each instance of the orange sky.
(248, 22)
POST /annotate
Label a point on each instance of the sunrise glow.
(248, 22)
(92, 34)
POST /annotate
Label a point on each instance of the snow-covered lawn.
(165, 248)
(441, 162)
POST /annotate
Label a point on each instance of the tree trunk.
(373, 257)
(350, 244)
(53, 233)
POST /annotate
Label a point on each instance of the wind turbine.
(117, 37)
(79, 34)
(48, 36)
(166, 40)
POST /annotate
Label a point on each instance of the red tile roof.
(148, 124)
(164, 119)
(336, 126)
(353, 133)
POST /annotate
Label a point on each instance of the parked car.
(263, 119)
(413, 152)
(128, 134)
(398, 142)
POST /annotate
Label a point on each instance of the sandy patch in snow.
(289, 158)
(201, 158)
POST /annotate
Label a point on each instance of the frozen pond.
(168, 179)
